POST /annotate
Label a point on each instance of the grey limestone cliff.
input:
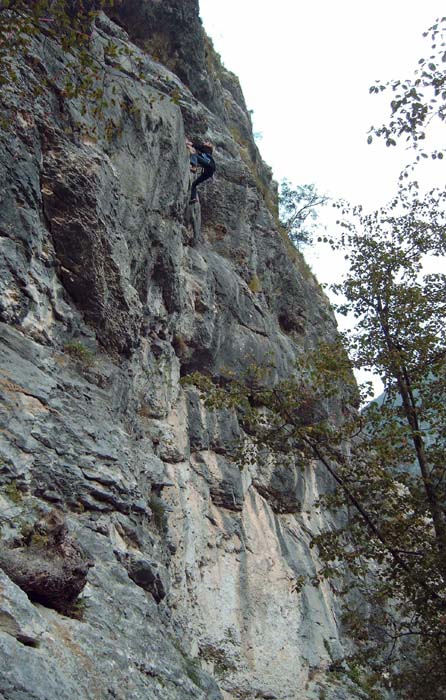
(112, 287)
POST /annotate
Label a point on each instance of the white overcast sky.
(305, 69)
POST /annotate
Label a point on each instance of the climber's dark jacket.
(204, 159)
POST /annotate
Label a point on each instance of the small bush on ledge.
(255, 285)
(80, 353)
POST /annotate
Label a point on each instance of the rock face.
(47, 564)
(112, 288)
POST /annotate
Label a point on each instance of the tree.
(401, 333)
(387, 463)
(297, 207)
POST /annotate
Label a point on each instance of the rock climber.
(200, 156)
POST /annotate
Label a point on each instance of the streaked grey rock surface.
(112, 287)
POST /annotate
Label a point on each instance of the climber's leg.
(205, 175)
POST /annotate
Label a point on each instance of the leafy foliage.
(69, 21)
(386, 463)
(80, 353)
(28, 30)
(297, 208)
(399, 468)
(401, 309)
(419, 100)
